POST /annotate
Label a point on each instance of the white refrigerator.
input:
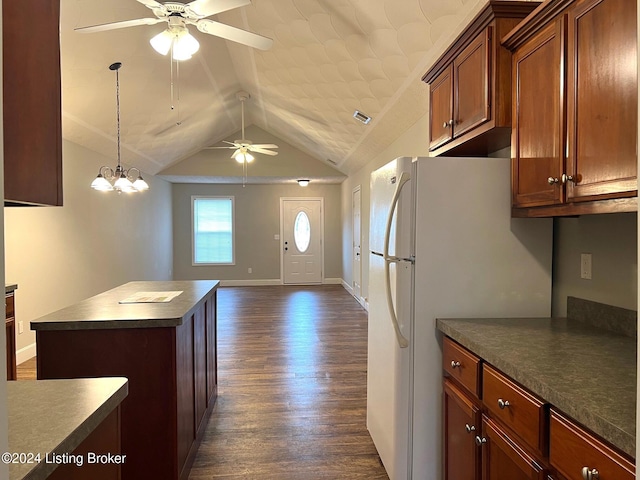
(443, 244)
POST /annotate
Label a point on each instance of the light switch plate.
(585, 266)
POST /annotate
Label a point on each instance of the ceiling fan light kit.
(119, 179)
(176, 38)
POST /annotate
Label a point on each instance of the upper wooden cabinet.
(31, 103)
(470, 85)
(574, 138)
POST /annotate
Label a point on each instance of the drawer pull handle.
(590, 474)
(470, 428)
(503, 403)
(480, 441)
(455, 364)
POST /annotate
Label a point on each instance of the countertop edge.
(597, 424)
(43, 469)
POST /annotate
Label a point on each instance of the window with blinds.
(213, 231)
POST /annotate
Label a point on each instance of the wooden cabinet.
(575, 120)
(32, 103)
(498, 430)
(462, 423)
(470, 85)
(576, 453)
(10, 326)
(503, 458)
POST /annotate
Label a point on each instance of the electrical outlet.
(250, 270)
(276, 237)
(585, 266)
(20, 327)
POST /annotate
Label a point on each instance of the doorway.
(302, 234)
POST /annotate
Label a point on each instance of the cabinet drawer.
(9, 306)
(515, 407)
(571, 449)
(462, 365)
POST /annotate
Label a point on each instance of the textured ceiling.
(329, 58)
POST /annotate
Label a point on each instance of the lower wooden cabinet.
(462, 421)
(503, 458)
(576, 453)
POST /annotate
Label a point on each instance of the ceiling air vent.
(361, 117)
(331, 161)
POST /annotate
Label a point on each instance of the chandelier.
(119, 179)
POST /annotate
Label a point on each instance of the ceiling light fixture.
(361, 117)
(120, 179)
(303, 182)
(242, 155)
(175, 39)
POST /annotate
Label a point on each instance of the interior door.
(357, 253)
(302, 241)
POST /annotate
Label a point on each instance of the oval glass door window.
(302, 232)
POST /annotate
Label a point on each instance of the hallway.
(292, 387)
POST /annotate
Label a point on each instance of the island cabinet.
(10, 331)
(574, 135)
(32, 103)
(470, 85)
(166, 350)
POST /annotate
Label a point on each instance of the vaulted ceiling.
(328, 59)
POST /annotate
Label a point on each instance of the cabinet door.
(462, 423)
(538, 125)
(602, 93)
(503, 458)
(471, 85)
(32, 107)
(441, 105)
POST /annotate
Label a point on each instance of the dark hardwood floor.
(292, 375)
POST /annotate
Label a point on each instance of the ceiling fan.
(243, 146)
(178, 16)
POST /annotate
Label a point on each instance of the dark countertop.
(10, 287)
(103, 311)
(587, 372)
(55, 416)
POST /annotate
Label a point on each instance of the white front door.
(357, 257)
(302, 240)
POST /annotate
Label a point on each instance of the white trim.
(332, 281)
(26, 353)
(250, 283)
(358, 188)
(360, 300)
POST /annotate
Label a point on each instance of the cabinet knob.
(470, 428)
(480, 441)
(503, 403)
(455, 364)
(448, 124)
(552, 180)
(567, 178)
(590, 474)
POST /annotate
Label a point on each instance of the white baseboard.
(332, 281)
(360, 300)
(347, 287)
(25, 353)
(250, 283)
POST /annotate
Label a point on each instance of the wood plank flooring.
(292, 374)
(292, 387)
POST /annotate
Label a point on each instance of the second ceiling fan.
(243, 147)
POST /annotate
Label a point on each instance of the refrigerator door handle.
(404, 178)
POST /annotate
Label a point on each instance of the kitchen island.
(167, 350)
(584, 365)
(57, 428)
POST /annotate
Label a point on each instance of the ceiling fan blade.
(151, 3)
(234, 34)
(261, 150)
(264, 145)
(206, 8)
(113, 26)
(211, 148)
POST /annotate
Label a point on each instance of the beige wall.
(612, 242)
(96, 241)
(257, 217)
